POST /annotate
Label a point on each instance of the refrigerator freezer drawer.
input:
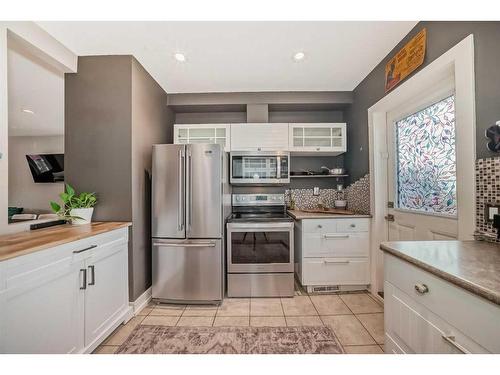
(187, 271)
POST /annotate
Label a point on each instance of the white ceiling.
(241, 56)
(35, 86)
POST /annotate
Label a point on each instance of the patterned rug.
(231, 340)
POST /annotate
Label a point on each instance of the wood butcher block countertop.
(472, 265)
(26, 242)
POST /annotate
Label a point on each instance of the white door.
(106, 294)
(421, 171)
(42, 309)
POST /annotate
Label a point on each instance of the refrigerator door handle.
(176, 244)
(189, 189)
(180, 211)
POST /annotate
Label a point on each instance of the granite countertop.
(471, 265)
(26, 242)
(300, 215)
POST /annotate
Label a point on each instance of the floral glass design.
(426, 159)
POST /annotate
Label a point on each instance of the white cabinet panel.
(105, 296)
(418, 330)
(259, 137)
(336, 244)
(42, 308)
(333, 252)
(317, 139)
(335, 271)
(203, 133)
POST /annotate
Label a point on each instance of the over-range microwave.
(260, 168)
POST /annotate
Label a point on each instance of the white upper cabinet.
(203, 133)
(259, 137)
(317, 139)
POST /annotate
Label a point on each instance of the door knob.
(389, 217)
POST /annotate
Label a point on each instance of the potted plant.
(76, 208)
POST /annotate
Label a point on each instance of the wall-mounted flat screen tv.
(46, 167)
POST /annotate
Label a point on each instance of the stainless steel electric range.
(259, 247)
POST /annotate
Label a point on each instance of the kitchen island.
(442, 296)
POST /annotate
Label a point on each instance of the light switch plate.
(315, 190)
(490, 211)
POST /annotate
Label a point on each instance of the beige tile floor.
(356, 318)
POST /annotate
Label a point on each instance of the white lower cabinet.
(51, 302)
(332, 253)
(444, 319)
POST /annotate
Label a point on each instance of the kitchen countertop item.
(471, 265)
(26, 242)
(300, 215)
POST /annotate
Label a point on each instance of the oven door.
(260, 247)
(262, 168)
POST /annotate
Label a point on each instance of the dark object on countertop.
(47, 224)
(15, 211)
(496, 224)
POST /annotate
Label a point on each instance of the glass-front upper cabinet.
(203, 133)
(324, 138)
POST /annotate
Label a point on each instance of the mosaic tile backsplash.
(356, 194)
(487, 191)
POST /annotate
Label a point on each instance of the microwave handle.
(278, 167)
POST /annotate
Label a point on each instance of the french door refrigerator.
(187, 223)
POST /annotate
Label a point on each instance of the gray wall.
(152, 122)
(441, 36)
(115, 112)
(98, 136)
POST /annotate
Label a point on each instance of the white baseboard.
(141, 302)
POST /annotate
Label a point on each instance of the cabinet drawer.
(454, 305)
(416, 329)
(352, 225)
(335, 271)
(336, 244)
(325, 226)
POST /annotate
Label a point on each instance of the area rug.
(231, 340)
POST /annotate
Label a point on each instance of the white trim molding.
(457, 64)
(141, 302)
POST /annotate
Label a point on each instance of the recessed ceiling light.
(299, 56)
(25, 110)
(180, 57)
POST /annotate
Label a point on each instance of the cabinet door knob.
(421, 288)
(317, 148)
(320, 226)
(353, 225)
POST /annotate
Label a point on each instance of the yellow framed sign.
(409, 58)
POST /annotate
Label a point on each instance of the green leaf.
(70, 190)
(55, 207)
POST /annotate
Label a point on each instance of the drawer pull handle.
(82, 250)
(421, 288)
(83, 272)
(451, 340)
(336, 262)
(92, 275)
(335, 236)
(320, 226)
(353, 225)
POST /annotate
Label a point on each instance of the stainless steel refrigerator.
(188, 189)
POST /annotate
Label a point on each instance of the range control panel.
(258, 199)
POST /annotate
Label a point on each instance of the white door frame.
(458, 62)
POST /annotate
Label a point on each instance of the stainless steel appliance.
(259, 247)
(187, 223)
(260, 168)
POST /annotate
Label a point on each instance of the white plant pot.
(84, 213)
